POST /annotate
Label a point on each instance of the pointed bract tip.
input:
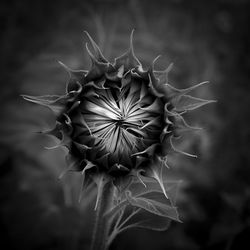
(93, 43)
(202, 83)
(61, 63)
(187, 90)
(97, 52)
(25, 97)
(213, 101)
(131, 48)
(32, 99)
(59, 178)
(154, 61)
(88, 35)
(64, 66)
(131, 40)
(89, 52)
(169, 68)
(198, 85)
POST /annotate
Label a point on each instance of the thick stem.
(101, 227)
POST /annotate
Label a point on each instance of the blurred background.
(206, 40)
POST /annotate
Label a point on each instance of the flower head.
(119, 119)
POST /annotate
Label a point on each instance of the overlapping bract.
(119, 119)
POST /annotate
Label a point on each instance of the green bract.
(118, 119)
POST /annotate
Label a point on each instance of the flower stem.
(101, 226)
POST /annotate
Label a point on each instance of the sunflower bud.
(119, 119)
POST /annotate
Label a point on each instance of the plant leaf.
(171, 187)
(156, 172)
(147, 220)
(153, 206)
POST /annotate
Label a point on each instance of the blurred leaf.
(152, 222)
(152, 205)
(171, 188)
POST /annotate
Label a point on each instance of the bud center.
(118, 121)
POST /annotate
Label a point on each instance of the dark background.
(207, 40)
